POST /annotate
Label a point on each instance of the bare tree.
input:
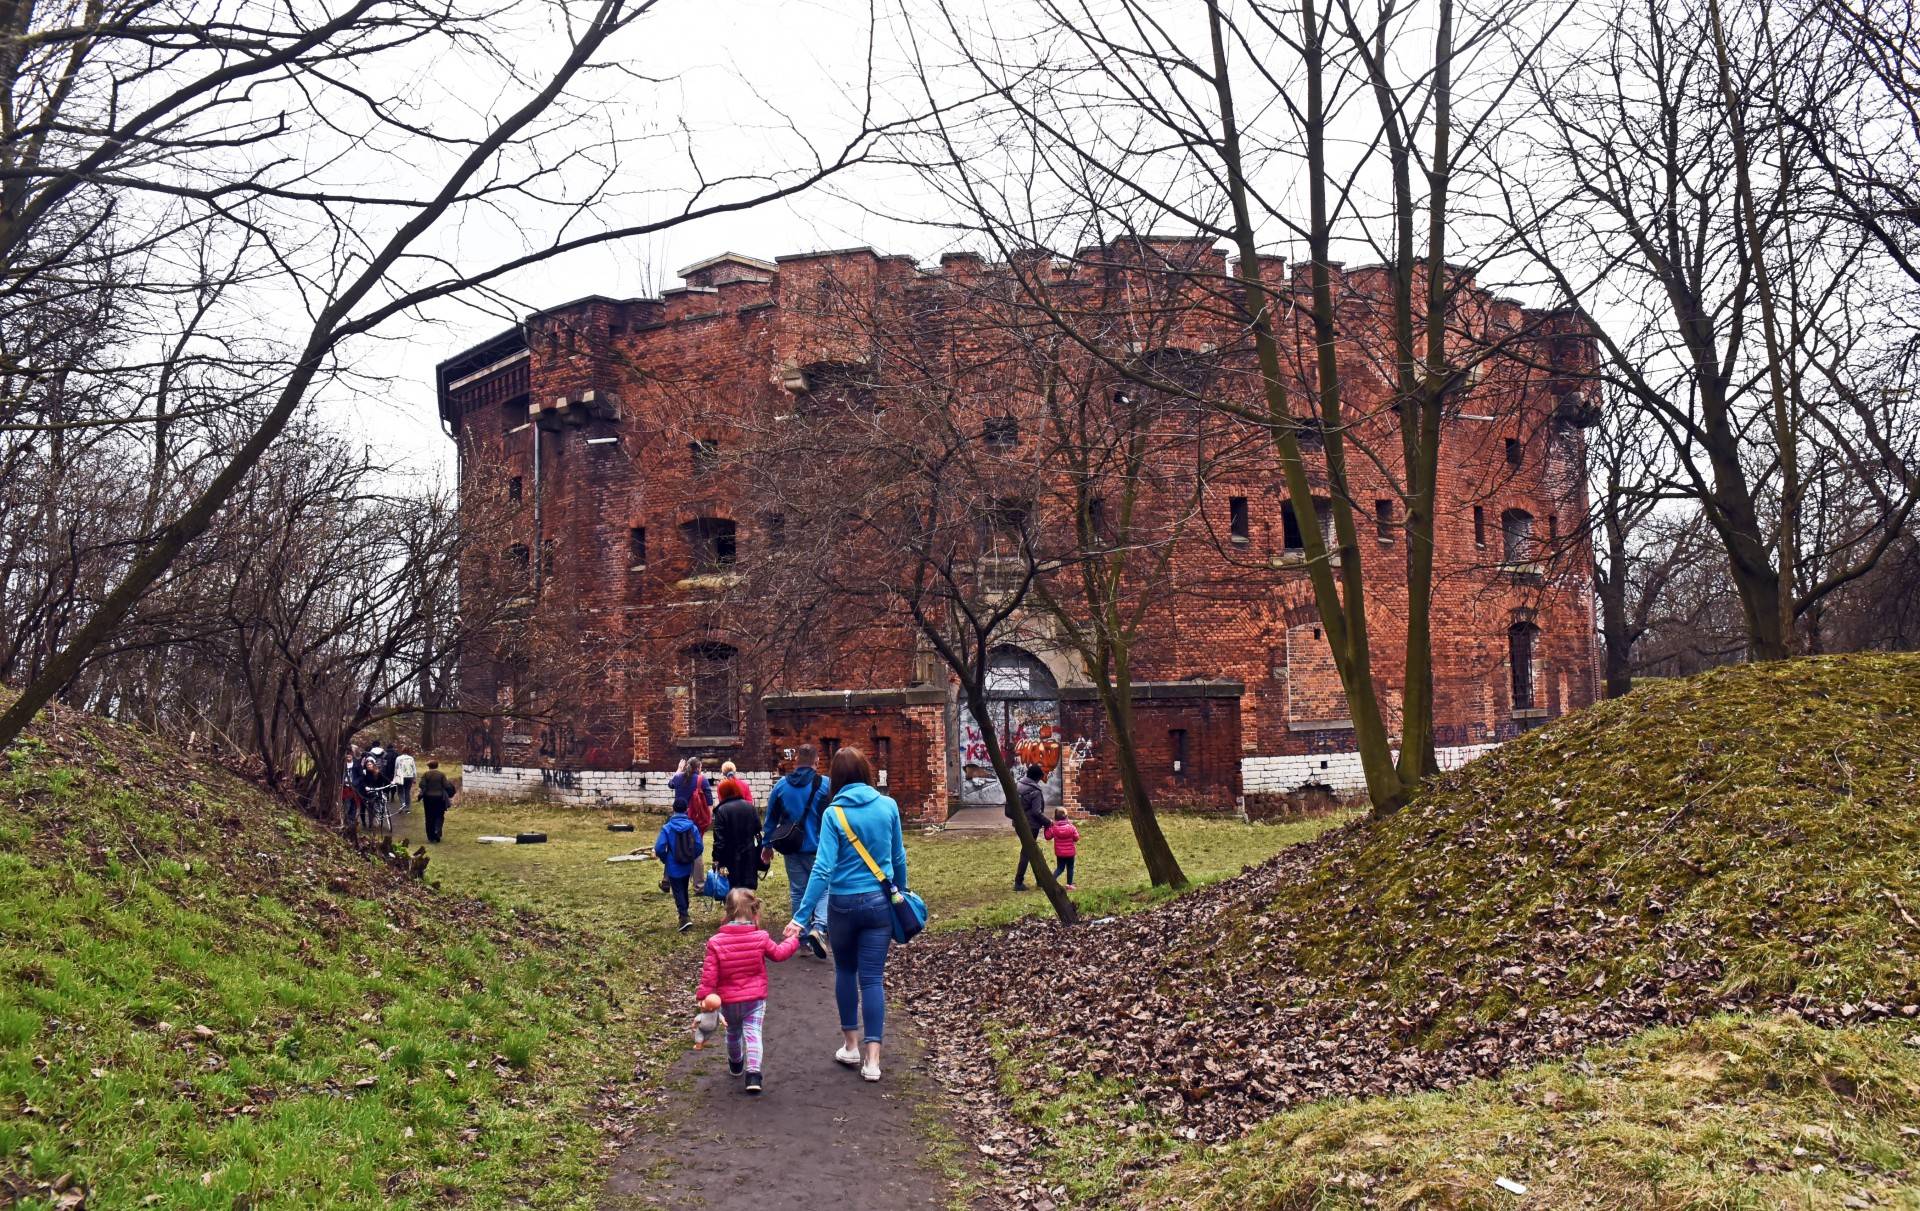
(1681, 208)
(197, 168)
(1128, 120)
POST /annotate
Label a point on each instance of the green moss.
(205, 1001)
(1756, 821)
(1729, 1112)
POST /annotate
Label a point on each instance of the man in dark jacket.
(1032, 801)
(799, 799)
(736, 837)
(436, 793)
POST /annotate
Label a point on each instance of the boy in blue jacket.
(678, 847)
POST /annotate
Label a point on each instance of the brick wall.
(617, 392)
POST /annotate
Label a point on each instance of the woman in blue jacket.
(678, 847)
(859, 919)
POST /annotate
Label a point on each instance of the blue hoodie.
(788, 801)
(678, 822)
(839, 870)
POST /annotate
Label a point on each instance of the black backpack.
(788, 838)
(686, 845)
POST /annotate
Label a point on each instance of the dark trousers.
(406, 795)
(366, 809)
(1063, 869)
(436, 810)
(678, 884)
(1020, 872)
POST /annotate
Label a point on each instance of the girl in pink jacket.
(1066, 843)
(735, 970)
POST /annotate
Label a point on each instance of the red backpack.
(699, 810)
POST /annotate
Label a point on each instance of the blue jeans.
(681, 899)
(861, 930)
(799, 870)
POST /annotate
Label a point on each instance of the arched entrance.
(1023, 703)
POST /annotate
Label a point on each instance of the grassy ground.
(205, 1002)
(1727, 1113)
(1744, 838)
(1758, 818)
(966, 878)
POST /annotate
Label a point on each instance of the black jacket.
(1033, 798)
(736, 838)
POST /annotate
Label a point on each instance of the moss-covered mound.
(1749, 834)
(206, 1001)
(1722, 1113)
(1745, 839)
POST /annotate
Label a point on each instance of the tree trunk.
(1163, 868)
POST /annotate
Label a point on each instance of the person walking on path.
(436, 795)
(1066, 843)
(678, 847)
(1032, 800)
(735, 970)
(403, 772)
(693, 794)
(736, 836)
(860, 921)
(729, 770)
(797, 800)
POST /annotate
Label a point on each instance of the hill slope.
(1747, 839)
(206, 1001)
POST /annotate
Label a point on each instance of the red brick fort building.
(624, 441)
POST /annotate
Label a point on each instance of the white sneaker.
(870, 1072)
(850, 1056)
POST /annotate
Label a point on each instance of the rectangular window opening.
(1001, 431)
(637, 546)
(1177, 741)
(513, 488)
(706, 455)
(1479, 526)
(1513, 452)
(1237, 523)
(1383, 519)
(776, 531)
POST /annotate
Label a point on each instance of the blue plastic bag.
(716, 887)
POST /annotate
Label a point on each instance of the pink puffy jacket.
(1066, 839)
(736, 962)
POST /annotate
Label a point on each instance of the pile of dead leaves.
(1701, 846)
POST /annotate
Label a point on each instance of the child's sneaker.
(753, 1083)
(850, 1056)
(686, 923)
(736, 1067)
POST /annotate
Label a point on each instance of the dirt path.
(820, 1137)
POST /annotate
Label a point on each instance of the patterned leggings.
(744, 1019)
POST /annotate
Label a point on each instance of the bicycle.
(380, 805)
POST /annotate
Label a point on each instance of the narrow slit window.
(1479, 526)
(1237, 523)
(637, 546)
(513, 488)
(1177, 742)
(1383, 519)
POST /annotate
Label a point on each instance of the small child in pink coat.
(1066, 844)
(735, 971)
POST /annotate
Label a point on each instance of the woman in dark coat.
(736, 836)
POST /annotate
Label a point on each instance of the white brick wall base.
(624, 787)
(1341, 771)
